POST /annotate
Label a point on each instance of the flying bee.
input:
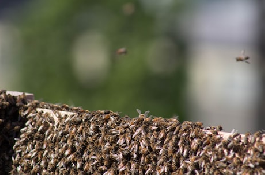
(121, 51)
(243, 57)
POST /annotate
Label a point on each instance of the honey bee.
(121, 51)
(243, 57)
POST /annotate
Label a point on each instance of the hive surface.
(78, 141)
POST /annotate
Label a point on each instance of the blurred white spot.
(91, 58)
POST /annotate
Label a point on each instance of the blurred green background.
(68, 56)
(180, 60)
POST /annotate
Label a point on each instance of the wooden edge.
(29, 96)
(56, 114)
(225, 135)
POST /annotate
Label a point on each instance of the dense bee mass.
(10, 124)
(58, 139)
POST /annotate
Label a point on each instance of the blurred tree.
(65, 43)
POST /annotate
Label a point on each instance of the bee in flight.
(121, 51)
(243, 57)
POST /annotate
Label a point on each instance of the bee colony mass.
(42, 138)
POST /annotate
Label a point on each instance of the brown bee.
(243, 57)
(121, 51)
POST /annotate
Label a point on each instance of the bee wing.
(243, 52)
(247, 62)
(139, 111)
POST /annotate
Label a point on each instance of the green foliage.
(49, 33)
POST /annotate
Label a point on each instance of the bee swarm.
(58, 139)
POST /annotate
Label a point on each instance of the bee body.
(121, 51)
(243, 57)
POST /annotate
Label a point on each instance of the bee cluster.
(101, 142)
(10, 124)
